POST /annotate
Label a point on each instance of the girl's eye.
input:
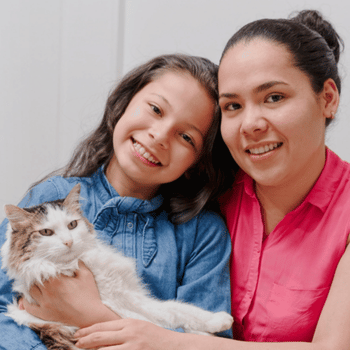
(46, 232)
(274, 98)
(156, 110)
(187, 139)
(72, 225)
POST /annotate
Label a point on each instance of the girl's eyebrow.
(258, 89)
(162, 97)
(193, 127)
(190, 126)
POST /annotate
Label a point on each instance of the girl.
(288, 211)
(146, 174)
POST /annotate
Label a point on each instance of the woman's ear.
(330, 96)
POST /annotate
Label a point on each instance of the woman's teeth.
(142, 152)
(265, 149)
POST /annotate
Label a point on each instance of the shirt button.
(130, 225)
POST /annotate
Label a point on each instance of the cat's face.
(55, 231)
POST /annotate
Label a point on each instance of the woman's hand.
(74, 301)
(131, 334)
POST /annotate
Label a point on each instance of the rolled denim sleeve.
(206, 277)
(12, 336)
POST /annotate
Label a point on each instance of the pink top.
(280, 283)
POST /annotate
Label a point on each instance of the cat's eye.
(72, 225)
(46, 232)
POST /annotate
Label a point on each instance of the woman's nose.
(253, 122)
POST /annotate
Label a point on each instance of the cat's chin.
(67, 257)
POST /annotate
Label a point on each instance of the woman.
(288, 209)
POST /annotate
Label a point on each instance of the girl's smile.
(145, 156)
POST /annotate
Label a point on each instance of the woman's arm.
(332, 332)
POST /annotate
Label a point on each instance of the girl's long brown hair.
(187, 196)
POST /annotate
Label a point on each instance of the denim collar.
(115, 204)
(111, 198)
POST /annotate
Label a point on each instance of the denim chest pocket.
(293, 313)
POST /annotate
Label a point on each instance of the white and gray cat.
(49, 239)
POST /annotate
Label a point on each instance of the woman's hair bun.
(314, 21)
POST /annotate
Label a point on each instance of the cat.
(49, 239)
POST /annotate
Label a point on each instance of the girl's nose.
(254, 122)
(160, 133)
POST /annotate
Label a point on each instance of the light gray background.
(59, 59)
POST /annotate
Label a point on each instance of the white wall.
(58, 61)
(60, 58)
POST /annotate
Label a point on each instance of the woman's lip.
(263, 156)
(263, 148)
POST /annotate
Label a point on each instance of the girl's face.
(272, 121)
(160, 135)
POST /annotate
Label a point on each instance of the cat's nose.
(68, 243)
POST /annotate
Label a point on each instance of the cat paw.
(221, 321)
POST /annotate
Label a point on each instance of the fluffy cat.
(49, 239)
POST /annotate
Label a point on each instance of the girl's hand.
(74, 301)
(128, 334)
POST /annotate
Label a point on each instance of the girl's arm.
(332, 332)
(70, 300)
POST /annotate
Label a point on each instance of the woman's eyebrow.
(268, 85)
(227, 95)
(260, 88)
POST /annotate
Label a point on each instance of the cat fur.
(32, 258)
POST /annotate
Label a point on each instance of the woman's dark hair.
(313, 42)
(185, 197)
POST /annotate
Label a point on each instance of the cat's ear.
(17, 217)
(72, 200)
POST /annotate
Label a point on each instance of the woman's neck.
(277, 201)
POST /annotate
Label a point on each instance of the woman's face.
(160, 135)
(272, 121)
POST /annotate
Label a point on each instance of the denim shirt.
(187, 262)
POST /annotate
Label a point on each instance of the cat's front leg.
(36, 274)
(215, 323)
(190, 318)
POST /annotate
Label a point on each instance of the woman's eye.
(72, 225)
(274, 98)
(187, 139)
(46, 232)
(232, 106)
(156, 110)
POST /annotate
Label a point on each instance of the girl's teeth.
(141, 150)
